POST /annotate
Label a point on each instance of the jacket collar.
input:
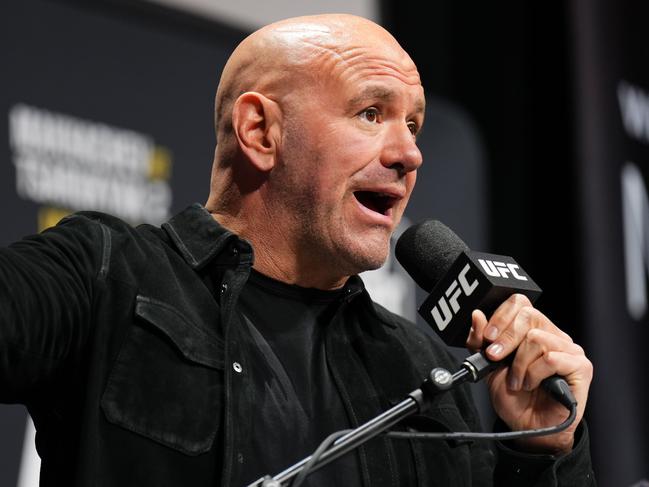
(199, 237)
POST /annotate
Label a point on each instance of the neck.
(278, 256)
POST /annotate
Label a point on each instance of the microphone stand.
(439, 380)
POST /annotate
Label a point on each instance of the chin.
(368, 259)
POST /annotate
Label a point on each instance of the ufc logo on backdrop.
(458, 287)
(501, 269)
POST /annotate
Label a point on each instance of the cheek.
(350, 137)
(411, 179)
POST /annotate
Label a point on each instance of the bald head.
(291, 53)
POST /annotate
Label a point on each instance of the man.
(176, 356)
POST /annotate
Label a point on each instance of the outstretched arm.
(47, 285)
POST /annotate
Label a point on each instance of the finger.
(536, 343)
(528, 351)
(478, 323)
(504, 315)
(575, 368)
(513, 334)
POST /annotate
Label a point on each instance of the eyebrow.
(372, 93)
(384, 94)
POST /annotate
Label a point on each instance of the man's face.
(349, 159)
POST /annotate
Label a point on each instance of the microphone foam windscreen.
(427, 250)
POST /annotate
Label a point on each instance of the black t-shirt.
(301, 404)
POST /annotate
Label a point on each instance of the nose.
(400, 151)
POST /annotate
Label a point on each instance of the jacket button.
(224, 288)
(237, 367)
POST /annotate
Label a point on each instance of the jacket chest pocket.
(167, 381)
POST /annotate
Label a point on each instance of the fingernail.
(512, 383)
(495, 349)
(491, 333)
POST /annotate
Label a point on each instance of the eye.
(414, 128)
(370, 114)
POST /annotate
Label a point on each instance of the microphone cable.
(557, 388)
(470, 435)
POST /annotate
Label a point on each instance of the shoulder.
(93, 218)
(111, 227)
(98, 220)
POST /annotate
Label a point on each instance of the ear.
(255, 120)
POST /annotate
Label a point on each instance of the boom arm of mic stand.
(438, 381)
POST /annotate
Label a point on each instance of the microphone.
(457, 279)
(460, 280)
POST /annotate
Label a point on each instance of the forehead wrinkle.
(360, 57)
(324, 52)
(362, 62)
(382, 68)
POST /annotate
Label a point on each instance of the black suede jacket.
(127, 348)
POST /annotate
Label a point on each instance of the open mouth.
(375, 201)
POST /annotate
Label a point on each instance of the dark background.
(523, 147)
(540, 81)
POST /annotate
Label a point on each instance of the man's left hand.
(541, 350)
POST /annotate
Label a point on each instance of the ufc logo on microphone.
(449, 306)
(501, 269)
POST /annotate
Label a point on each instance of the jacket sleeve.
(47, 283)
(515, 468)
